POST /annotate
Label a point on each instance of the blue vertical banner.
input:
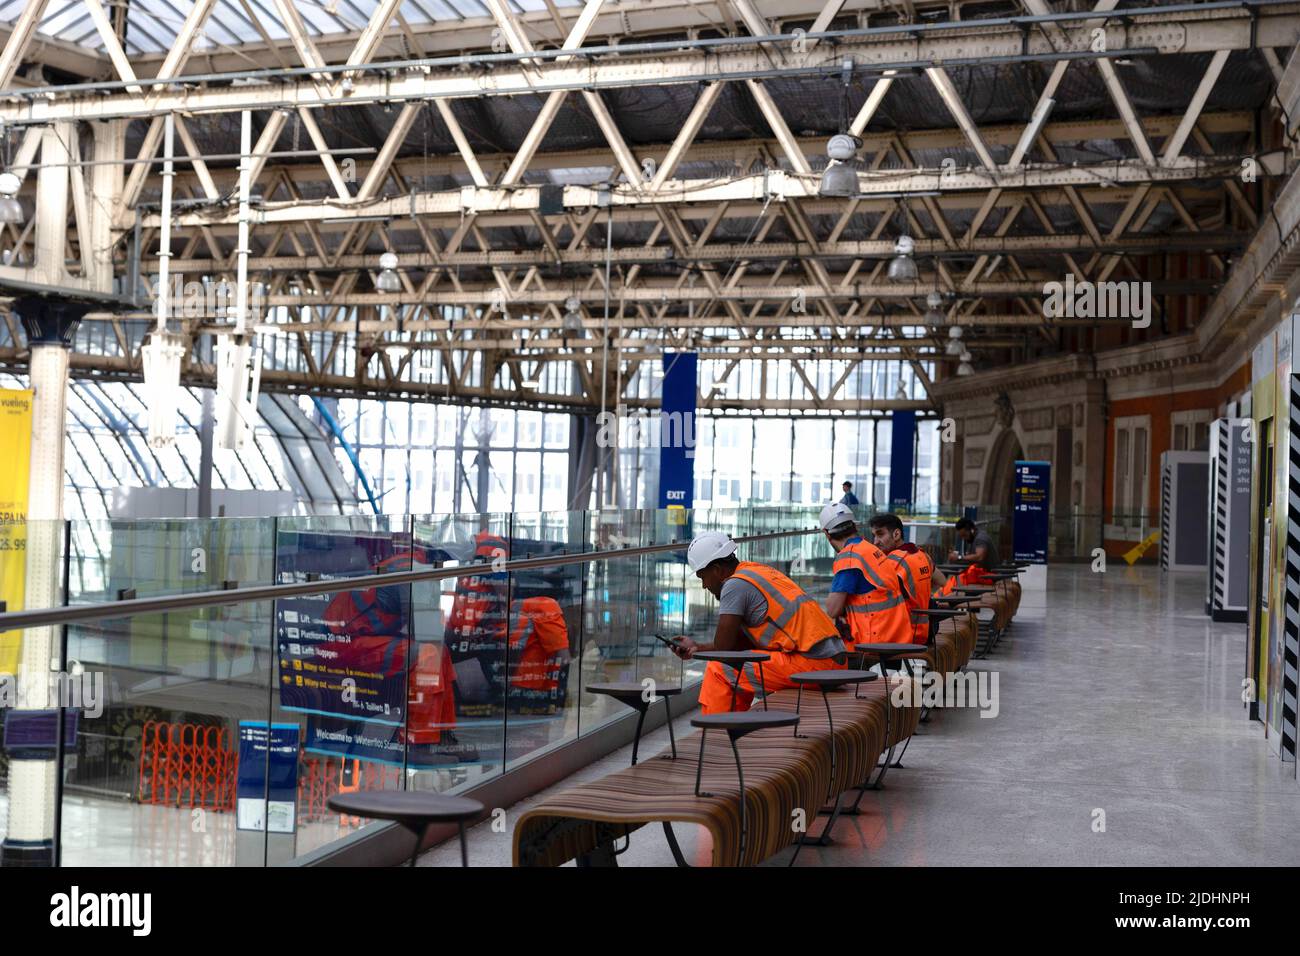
(902, 440)
(1030, 520)
(677, 431)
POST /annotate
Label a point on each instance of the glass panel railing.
(215, 734)
(342, 659)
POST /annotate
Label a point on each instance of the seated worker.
(868, 589)
(759, 609)
(920, 575)
(981, 554)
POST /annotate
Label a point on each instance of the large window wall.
(420, 458)
(805, 461)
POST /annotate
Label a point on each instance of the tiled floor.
(1117, 695)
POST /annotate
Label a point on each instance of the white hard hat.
(707, 548)
(834, 515)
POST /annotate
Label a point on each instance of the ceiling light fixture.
(839, 179)
(955, 346)
(388, 280)
(11, 210)
(933, 313)
(902, 268)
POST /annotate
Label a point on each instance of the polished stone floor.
(1117, 695)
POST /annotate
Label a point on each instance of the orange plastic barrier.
(186, 765)
(193, 765)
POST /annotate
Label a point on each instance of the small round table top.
(731, 657)
(629, 690)
(954, 598)
(892, 650)
(938, 611)
(837, 677)
(742, 722)
(405, 806)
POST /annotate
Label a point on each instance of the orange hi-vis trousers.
(716, 694)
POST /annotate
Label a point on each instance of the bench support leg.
(671, 837)
(603, 855)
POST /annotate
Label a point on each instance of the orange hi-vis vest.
(795, 623)
(917, 571)
(879, 616)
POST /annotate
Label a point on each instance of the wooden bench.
(783, 774)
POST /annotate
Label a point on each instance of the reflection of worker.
(759, 609)
(867, 588)
(849, 498)
(981, 554)
(539, 652)
(920, 575)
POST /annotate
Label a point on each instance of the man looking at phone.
(759, 609)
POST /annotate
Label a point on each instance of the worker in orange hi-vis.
(868, 589)
(759, 609)
(980, 554)
(917, 569)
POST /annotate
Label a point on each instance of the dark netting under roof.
(993, 94)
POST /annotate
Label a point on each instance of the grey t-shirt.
(986, 540)
(741, 598)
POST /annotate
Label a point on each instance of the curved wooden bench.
(783, 773)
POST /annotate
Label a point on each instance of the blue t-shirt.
(851, 580)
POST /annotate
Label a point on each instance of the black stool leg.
(640, 722)
(464, 847)
(825, 838)
(671, 738)
(877, 784)
(762, 683)
(419, 841)
(699, 768)
(740, 773)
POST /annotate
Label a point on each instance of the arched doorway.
(999, 472)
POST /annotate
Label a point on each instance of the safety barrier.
(186, 765)
(193, 766)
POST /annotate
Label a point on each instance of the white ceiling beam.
(11, 57)
(1174, 144)
(1178, 33)
(951, 99)
(753, 187)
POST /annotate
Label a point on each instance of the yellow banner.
(15, 453)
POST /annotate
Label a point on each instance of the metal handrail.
(46, 617)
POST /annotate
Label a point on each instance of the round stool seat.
(413, 808)
(939, 612)
(741, 722)
(830, 679)
(892, 650)
(628, 691)
(732, 658)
